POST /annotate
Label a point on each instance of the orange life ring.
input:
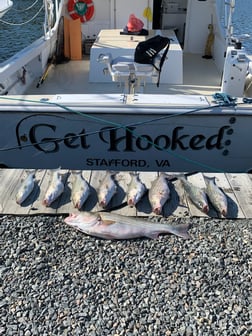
(81, 9)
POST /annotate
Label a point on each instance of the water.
(242, 21)
(15, 37)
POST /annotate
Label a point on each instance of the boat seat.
(132, 74)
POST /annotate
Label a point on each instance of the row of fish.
(200, 197)
(158, 194)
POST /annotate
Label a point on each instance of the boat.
(5, 5)
(75, 98)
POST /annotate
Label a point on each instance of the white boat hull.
(105, 132)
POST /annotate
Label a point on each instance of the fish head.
(46, 202)
(132, 199)
(78, 205)
(131, 202)
(156, 204)
(224, 212)
(157, 209)
(203, 206)
(105, 197)
(77, 202)
(223, 207)
(103, 203)
(82, 220)
(18, 200)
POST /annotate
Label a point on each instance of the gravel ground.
(58, 281)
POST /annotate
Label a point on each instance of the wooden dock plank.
(10, 182)
(237, 187)
(242, 187)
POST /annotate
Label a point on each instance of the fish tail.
(181, 230)
(208, 178)
(30, 171)
(55, 169)
(177, 176)
(76, 172)
(112, 172)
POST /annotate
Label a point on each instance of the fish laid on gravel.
(136, 189)
(55, 189)
(107, 189)
(112, 226)
(196, 194)
(26, 187)
(159, 193)
(216, 196)
(80, 189)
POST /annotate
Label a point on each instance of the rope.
(23, 23)
(28, 8)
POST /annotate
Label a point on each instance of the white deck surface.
(200, 77)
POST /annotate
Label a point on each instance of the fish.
(55, 188)
(108, 225)
(136, 190)
(107, 189)
(196, 194)
(26, 187)
(159, 193)
(216, 196)
(80, 190)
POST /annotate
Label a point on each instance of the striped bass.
(136, 189)
(55, 188)
(80, 190)
(113, 226)
(107, 189)
(26, 187)
(216, 196)
(196, 194)
(159, 193)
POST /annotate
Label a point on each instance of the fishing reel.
(236, 41)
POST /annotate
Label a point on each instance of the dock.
(237, 187)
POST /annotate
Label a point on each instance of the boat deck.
(200, 77)
(237, 188)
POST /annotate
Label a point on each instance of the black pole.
(157, 8)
